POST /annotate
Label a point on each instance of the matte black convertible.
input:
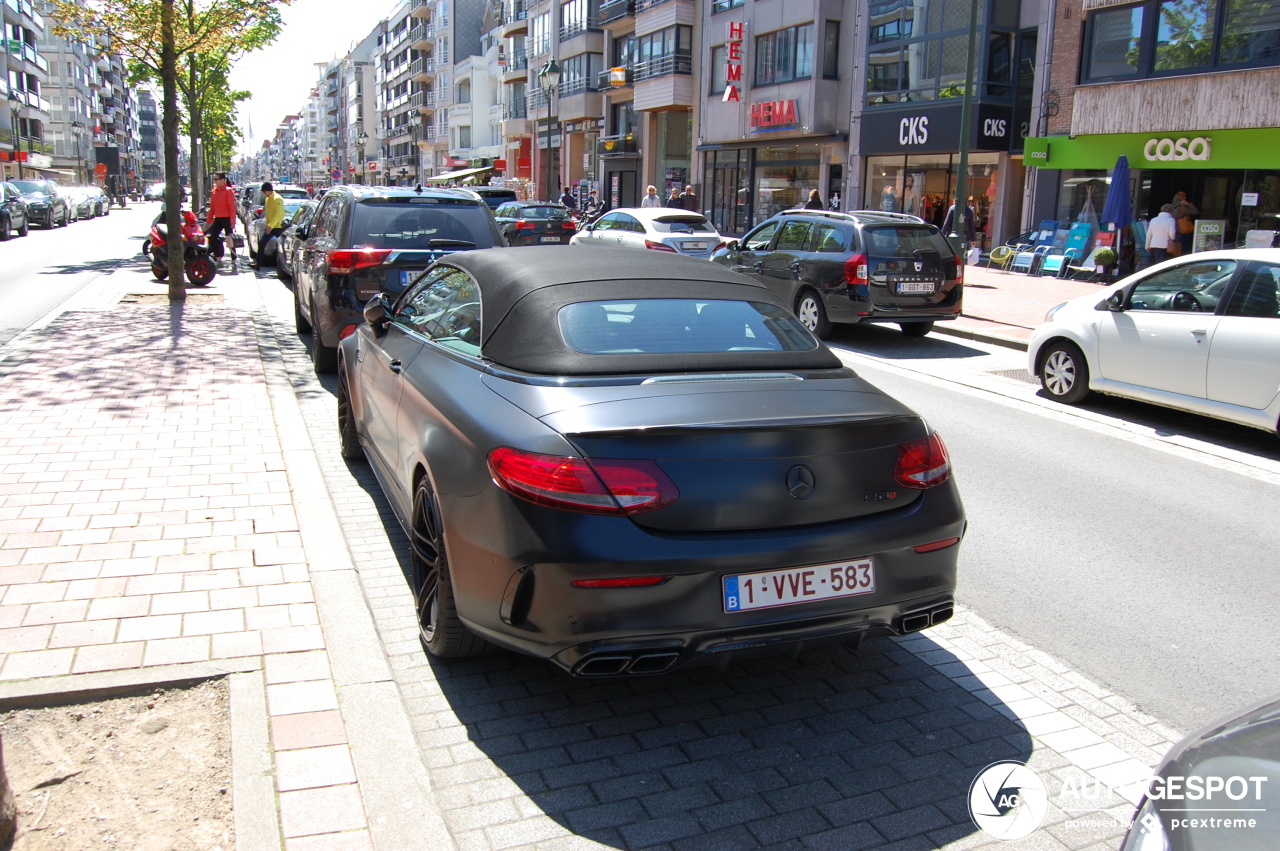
(624, 471)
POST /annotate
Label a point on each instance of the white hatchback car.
(657, 228)
(1199, 333)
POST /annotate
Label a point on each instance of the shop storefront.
(746, 185)
(1231, 176)
(910, 165)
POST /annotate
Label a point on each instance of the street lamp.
(959, 224)
(77, 126)
(362, 139)
(403, 173)
(16, 104)
(549, 79)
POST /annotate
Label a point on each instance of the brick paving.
(834, 749)
(146, 520)
(1010, 304)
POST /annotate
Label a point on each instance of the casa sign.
(733, 63)
(1164, 150)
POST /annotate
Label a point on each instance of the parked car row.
(42, 203)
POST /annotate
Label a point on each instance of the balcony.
(422, 36)
(664, 66)
(577, 86)
(514, 109)
(616, 10)
(515, 62)
(617, 146)
(536, 99)
(26, 7)
(422, 68)
(642, 5)
(423, 101)
(514, 18)
(421, 8)
(604, 82)
(590, 24)
(28, 53)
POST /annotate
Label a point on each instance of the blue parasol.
(1119, 209)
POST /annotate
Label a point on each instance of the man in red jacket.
(222, 215)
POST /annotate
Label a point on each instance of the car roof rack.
(855, 215)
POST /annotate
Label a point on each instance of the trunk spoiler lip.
(742, 424)
(623, 379)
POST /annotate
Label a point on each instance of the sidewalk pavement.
(1005, 307)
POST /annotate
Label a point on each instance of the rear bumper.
(519, 596)
(536, 239)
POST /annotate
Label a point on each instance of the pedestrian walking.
(688, 200)
(651, 198)
(568, 199)
(221, 218)
(673, 200)
(1184, 213)
(1162, 233)
(834, 206)
(273, 212)
(970, 233)
(592, 206)
(815, 201)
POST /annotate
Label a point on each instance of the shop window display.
(922, 186)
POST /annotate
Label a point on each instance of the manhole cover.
(163, 298)
(1017, 375)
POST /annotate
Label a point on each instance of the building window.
(831, 51)
(663, 53)
(1166, 37)
(725, 5)
(579, 16)
(719, 56)
(784, 55)
(540, 34)
(464, 137)
(579, 73)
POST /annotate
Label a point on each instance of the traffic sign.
(100, 169)
(336, 174)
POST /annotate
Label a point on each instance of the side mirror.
(377, 312)
(1115, 301)
(731, 245)
(301, 233)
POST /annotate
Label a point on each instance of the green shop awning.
(1190, 149)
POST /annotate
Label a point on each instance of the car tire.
(813, 314)
(324, 359)
(441, 630)
(1064, 373)
(281, 274)
(915, 329)
(348, 438)
(26, 227)
(66, 220)
(6, 227)
(300, 322)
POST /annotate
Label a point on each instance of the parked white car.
(657, 228)
(1199, 333)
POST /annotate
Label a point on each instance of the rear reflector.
(922, 463)
(621, 582)
(601, 486)
(937, 545)
(658, 246)
(344, 261)
(346, 332)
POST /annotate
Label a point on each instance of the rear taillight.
(257, 211)
(856, 272)
(959, 270)
(523, 225)
(601, 486)
(922, 463)
(570, 225)
(344, 261)
(658, 246)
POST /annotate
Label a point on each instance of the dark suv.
(363, 240)
(13, 211)
(853, 267)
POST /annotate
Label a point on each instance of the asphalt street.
(43, 269)
(1147, 570)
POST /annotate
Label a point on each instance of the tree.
(150, 34)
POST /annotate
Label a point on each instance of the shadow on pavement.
(77, 268)
(887, 341)
(833, 750)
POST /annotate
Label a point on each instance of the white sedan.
(1199, 333)
(656, 228)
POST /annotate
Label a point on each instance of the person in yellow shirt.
(273, 210)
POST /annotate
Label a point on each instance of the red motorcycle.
(200, 267)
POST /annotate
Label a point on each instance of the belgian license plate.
(924, 287)
(409, 276)
(695, 246)
(773, 588)
(550, 239)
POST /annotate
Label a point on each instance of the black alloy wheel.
(442, 632)
(1064, 373)
(916, 329)
(348, 439)
(813, 314)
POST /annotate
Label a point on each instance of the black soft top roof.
(523, 289)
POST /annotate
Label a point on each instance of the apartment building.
(150, 139)
(1184, 90)
(24, 148)
(72, 89)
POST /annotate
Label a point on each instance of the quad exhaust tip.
(616, 665)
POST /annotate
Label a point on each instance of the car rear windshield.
(905, 241)
(544, 212)
(682, 224)
(293, 193)
(680, 326)
(415, 223)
